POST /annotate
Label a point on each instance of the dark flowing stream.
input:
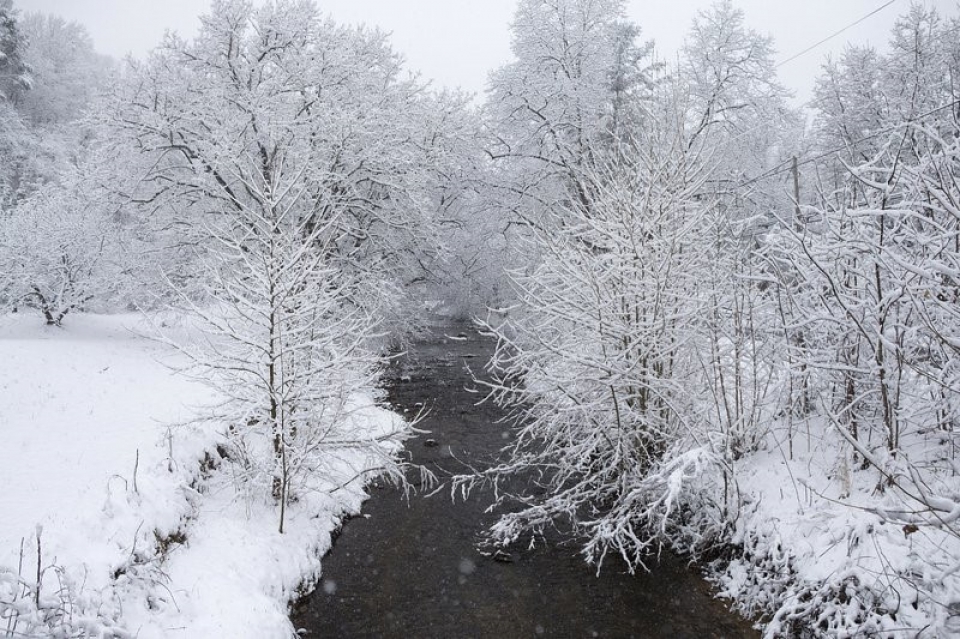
(413, 568)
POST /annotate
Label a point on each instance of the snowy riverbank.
(141, 531)
(814, 556)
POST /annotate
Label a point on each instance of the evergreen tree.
(14, 74)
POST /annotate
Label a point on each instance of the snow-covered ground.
(816, 551)
(139, 534)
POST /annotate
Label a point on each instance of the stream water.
(412, 568)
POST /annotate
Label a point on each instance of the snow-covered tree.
(15, 139)
(60, 249)
(49, 77)
(850, 102)
(730, 73)
(737, 111)
(329, 104)
(293, 180)
(577, 75)
(286, 350)
(67, 74)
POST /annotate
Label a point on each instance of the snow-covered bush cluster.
(735, 337)
(33, 608)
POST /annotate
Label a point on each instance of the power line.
(777, 170)
(834, 35)
(812, 100)
(784, 167)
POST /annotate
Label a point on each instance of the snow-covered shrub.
(38, 598)
(848, 579)
(595, 359)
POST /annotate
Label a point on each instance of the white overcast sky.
(457, 42)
